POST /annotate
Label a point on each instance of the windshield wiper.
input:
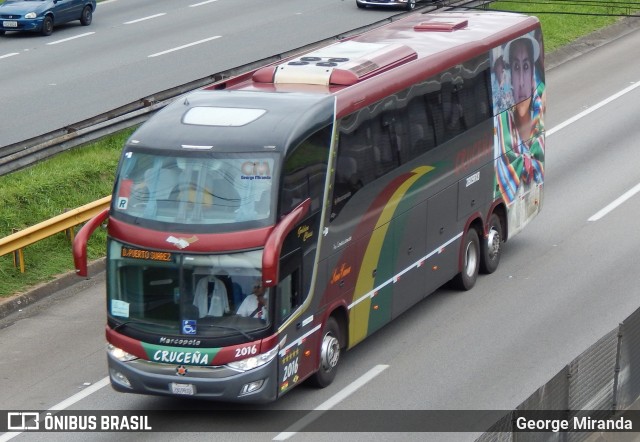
(223, 327)
(226, 327)
(136, 321)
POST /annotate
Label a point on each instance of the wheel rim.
(330, 352)
(412, 4)
(493, 243)
(471, 259)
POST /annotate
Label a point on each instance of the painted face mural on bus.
(518, 92)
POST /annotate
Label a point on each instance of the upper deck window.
(205, 189)
(221, 116)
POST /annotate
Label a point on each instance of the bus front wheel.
(466, 279)
(329, 354)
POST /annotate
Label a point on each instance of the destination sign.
(150, 255)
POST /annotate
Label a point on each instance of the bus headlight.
(30, 15)
(254, 361)
(120, 354)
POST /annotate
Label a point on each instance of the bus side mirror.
(80, 241)
(273, 246)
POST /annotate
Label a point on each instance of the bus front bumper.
(211, 383)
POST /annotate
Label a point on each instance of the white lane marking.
(615, 203)
(593, 108)
(106, 2)
(628, 194)
(331, 402)
(202, 3)
(144, 18)
(65, 404)
(81, 394)
(9, 55)
(70, 38)
(184, 46)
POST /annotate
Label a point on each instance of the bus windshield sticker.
(182, 243)
(189, 327)
(119, 308)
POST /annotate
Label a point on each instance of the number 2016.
(246, 351)
(290, 369)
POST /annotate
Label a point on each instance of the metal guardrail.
(22, 154)
(25, 153)
(61, 223)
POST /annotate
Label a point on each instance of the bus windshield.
(209, 189)
(187, 295)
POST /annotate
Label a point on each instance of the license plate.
(184, 389)
(10, 24)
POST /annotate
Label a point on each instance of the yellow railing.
(61, 223)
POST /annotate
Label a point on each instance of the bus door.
(298, 341)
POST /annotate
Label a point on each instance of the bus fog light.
(119, 378)
(251, 387)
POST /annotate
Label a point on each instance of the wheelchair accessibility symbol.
(188, 327)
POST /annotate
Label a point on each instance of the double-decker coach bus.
(263, 225)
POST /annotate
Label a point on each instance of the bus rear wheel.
(466, 279)
(492, 245)
(329, 355)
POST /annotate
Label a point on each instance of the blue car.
(42, 15)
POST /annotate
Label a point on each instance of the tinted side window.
(377, 139)
(305, 171)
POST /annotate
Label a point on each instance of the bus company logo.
(340, 273)
(304, 233)
(181, 370)
(255, 170)
(182, 243)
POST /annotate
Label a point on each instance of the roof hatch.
(343, 63)
(438, 25)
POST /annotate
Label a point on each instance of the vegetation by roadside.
(86, 174)
(565, 21)
(47, 189)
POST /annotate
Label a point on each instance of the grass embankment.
(80, 176)
(564, 21)
(47, 189)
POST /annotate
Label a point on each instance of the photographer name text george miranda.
(576, 424)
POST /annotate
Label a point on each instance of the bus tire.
(492, 245)
(466, 279)
(329, 355)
